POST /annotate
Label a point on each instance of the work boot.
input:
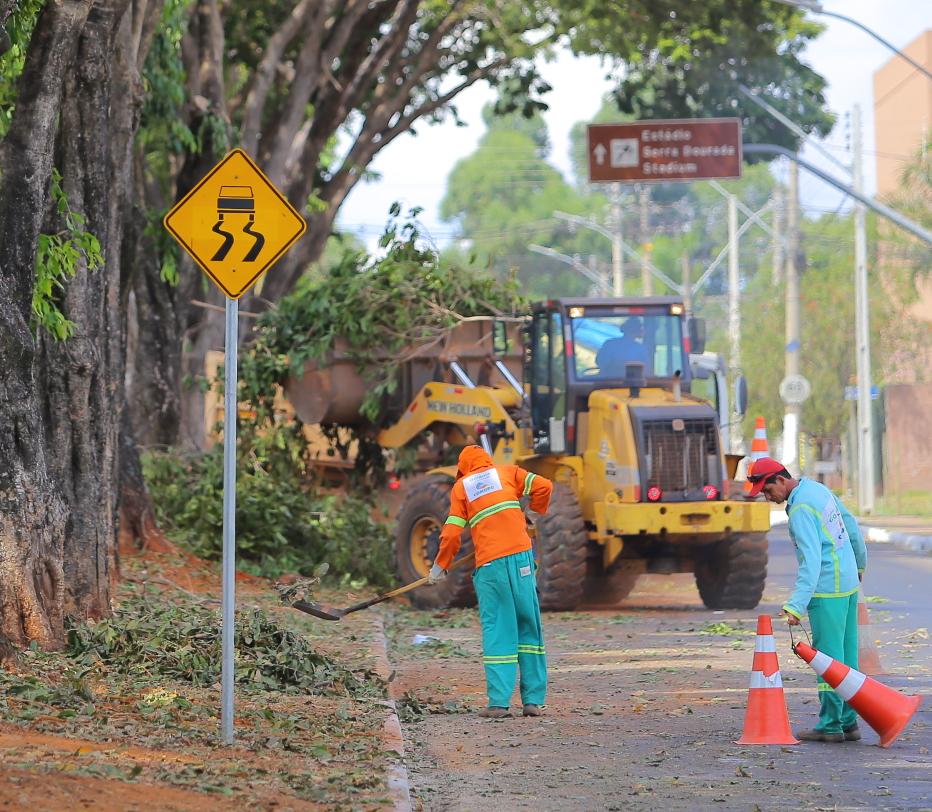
(820, 736)
(531, 710)
(496, 713)
(852, 733)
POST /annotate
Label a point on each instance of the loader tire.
(731, 574)
(417, 539)
(560, 551)
(612, 587)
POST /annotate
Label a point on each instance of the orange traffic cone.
(766, 720)
(759, 447)
(885, 710)
(868, 655)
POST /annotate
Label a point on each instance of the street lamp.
(812, 5)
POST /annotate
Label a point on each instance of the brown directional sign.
(683, 149)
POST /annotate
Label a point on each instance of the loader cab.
(576, 346)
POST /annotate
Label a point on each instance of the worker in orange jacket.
(486, 497)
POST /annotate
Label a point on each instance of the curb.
(399, 787)
(913, 542)
(903, 541)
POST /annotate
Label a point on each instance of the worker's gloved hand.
(437, 574)
(791, 619)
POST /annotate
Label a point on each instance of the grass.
(908, 503)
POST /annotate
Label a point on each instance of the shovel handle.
(385, 596)
(402, 589)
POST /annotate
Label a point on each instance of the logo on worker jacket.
(834, 524)
(481, 484)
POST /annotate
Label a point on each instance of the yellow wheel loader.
(596, 398)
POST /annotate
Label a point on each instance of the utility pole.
(862, 332)
(594, 274)
(734, 309)
(687, 283)
(618, 268)
(791, 412)
(778, 236)
(647, 284)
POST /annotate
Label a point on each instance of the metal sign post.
(228, 602)
(235, 224)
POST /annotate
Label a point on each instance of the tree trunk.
(197, 330)
(154, 344)
(32, 513)
(83, 375)
(137, 525)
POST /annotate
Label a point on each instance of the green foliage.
(503, 197)
(913, 198)
(58, 257)
(19, 28)
(380, 307)
(181, 642)
(905, 503)
(280, 527)
(688, 59)
(827, 354)
(162, 131)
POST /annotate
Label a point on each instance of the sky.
(414, 169)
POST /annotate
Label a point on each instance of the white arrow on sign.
(600, 151)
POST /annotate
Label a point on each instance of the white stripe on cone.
(850, 685)
(820, 663)
(765, 643)
(761, 680)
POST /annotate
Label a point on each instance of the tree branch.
(293, 112)
(265, 73)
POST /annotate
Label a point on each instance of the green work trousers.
(834, 624)
(512, 635)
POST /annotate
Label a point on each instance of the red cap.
(759, 471)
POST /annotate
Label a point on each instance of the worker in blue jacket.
(832, 556)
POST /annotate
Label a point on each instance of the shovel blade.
(315, 609)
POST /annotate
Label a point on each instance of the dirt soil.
(154, 744)
(645, 703)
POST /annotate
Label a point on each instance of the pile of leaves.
(281, 524)
(180, 642)
(412, 708)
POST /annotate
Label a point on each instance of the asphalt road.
(899, 584)
(646, 701)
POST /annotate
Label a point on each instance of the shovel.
(332, 613)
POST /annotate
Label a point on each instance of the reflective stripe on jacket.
(485, 497)
(829, 546)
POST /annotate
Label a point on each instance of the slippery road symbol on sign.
(236, 200)
(235, 224)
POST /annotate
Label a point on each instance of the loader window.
(603, 344)
(548, 377)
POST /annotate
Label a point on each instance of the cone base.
(768, 740)
(766, 720)
(892, 734)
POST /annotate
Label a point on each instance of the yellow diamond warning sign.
(235, 223)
